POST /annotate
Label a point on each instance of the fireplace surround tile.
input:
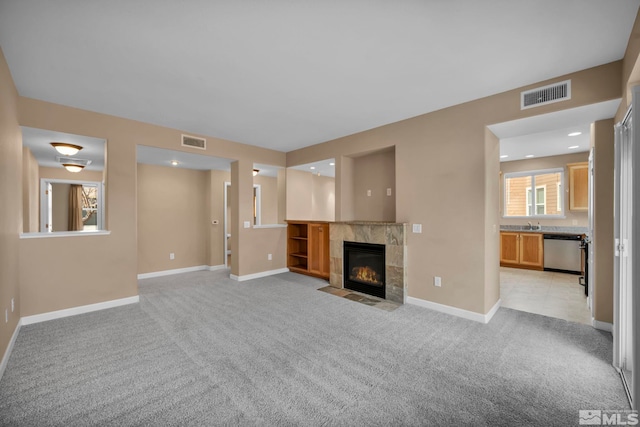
(392, 235)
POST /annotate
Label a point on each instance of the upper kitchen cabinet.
(578, 186)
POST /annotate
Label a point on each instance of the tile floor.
(548, 293)
(361, 298)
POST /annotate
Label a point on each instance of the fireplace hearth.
(364, 268)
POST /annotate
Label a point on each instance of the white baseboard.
(59, 314)
(466, 314)
(180, 270)
(7, 353)
(259, 275)
(603, 326)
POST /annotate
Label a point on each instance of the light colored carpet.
(201, 349)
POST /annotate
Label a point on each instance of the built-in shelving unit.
(308, 248)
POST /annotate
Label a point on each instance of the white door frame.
(227, 235)
(626, 231)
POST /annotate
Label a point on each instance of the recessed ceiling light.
(573, 147)
(528, 156)
(174, 162)
(504, 156)
(312, 167)
(575, 134)
(332, 164)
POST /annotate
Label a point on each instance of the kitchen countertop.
(546, 229)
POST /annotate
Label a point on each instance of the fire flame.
(365, 274)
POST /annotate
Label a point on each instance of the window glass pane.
(517, 198)
(520, 198)
(550, 184)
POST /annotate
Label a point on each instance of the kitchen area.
(544, 236)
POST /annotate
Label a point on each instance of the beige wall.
(491, 219)
(323, 198)
(172, 218)
(62, 173)
(375, 172)
(269, 196)
(442, 178)
(60, 207)
(111, 260)
(572, 218)
(10, 205)
(30, 192)
(602, 138)
(310, 197)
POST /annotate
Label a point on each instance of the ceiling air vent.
(194, 142)
(546, 95)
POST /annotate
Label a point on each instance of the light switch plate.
(417, 228)
(388, 191)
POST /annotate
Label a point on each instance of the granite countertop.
(547, 229)
(369, 223)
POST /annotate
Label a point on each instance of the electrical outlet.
(388, 191)
(247, 224)
(12, 305)
(172, 256)
(437, 281)
(269, 257)
(6, 315)
(368, 193)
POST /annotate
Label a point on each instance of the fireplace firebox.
(364, 267)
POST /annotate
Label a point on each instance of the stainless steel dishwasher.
(563, 253)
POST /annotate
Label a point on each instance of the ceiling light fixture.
(575, 134)
(174, 162)
(332, 164)
(256, 172)
(528, 156)
(504, 156)
(73, 168)
(312, 167)
(573, 147)
(66, 149)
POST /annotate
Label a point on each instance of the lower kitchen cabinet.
(522, 250)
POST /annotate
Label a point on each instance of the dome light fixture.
(66, 149)
(73, 167)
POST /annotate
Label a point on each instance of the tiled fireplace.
(391, 235)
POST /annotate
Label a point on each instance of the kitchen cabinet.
(578, 186)
(522, 250)
(308, 248)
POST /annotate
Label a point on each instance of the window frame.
(533, 173)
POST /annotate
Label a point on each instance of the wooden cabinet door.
(578, 186)
(319, 249)
(509, 248)
(531, 252)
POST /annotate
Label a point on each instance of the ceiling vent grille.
(546, 95)
(73, 160)
(194, 142)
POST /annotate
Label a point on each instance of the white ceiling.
(321, 167)
(285, 75)
(163, 157)
(39, 142)
(548, 134)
